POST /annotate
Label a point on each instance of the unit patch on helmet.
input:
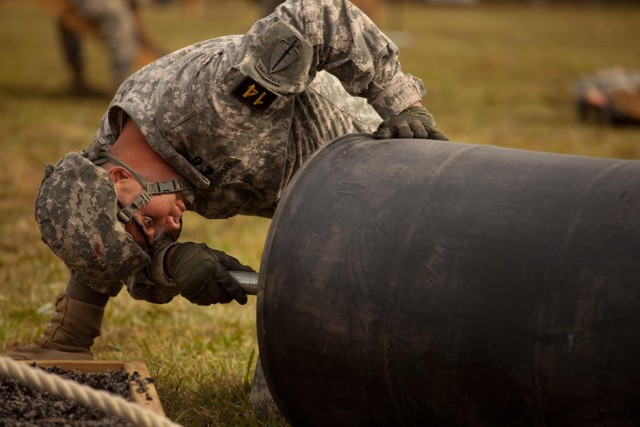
(254, 95)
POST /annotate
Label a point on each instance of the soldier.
(116, 23)
(219, 128)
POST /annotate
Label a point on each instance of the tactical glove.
(202, 274)
(414, 122)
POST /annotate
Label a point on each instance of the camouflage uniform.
(236, 116)
(369, 7)
(115, 23)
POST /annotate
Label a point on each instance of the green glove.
(202, 274)
(414, 122)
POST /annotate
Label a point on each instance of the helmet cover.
(76, 210)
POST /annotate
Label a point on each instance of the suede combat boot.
(69, 335)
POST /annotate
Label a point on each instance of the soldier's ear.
(118, 173)
(127, 187)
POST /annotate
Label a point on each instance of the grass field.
(495, 75)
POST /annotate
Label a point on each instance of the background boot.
(69, 335)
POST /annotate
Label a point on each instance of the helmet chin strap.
(125, 214)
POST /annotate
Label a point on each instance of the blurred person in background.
(118, 26)
(610, 96)
(219, 128)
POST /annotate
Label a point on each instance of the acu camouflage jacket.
(237, 116)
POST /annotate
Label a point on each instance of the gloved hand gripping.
(202, 274)
(413, 122)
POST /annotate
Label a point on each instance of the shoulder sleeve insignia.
(280, 58)
(285, 53)
(254, 95)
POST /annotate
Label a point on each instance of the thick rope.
(92, 398)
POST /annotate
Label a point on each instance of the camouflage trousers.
(115, 24)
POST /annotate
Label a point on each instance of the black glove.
(414, 122)
(202, 274)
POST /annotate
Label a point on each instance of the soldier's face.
(160, 216)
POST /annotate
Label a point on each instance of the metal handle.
(248, 280)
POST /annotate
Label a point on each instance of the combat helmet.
(81, 220)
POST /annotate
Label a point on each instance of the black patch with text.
(254, 95)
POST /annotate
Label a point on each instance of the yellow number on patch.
(259, 100)
(251, 91)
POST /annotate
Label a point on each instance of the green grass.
(495, 75)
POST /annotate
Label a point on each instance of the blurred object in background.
(452, 2)
(116, 23)
(269, 5)
(610, 96)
